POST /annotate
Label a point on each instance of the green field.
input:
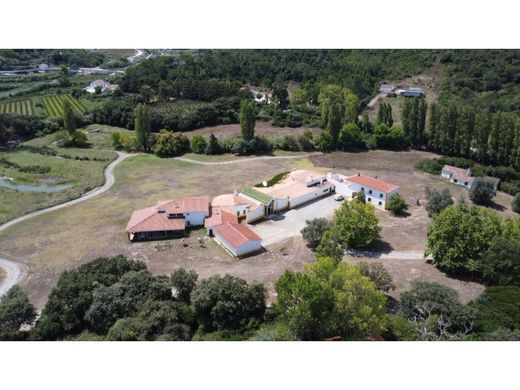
(23, 107)
(54, 104)
(179, 107)
(81, 168)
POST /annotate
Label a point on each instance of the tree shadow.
(381, 246)
(495, 206)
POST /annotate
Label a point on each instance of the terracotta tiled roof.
(225, 200)
(188, 205)
(150, 220)
(235, 234)
(373, 183)
(219, 216)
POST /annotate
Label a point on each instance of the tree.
(213, 145)
(482, 191)
(438, 201)
(170, 144)
(306, 141)
(330, 246)
(436, 311)
(360, 197)
(146, 92)
(228, 303)
(15, 310)
(281, 96)
(498, 307)
(377, 273)
(198, 144)
(76, 138)
(324, 141)
(359, 307)
(350, 137)
(501, 263)
(313, 231)
(64, 313)
(247, 119)
(142, 126)
(396, 204)
(355, 224)
(306, 305)
(515, 203)
(459, 236)
(115, 137)
(184, 283)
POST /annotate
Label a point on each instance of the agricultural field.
(22, 107)
(177, 107)
(54, 104)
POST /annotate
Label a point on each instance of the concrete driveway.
(290, 223)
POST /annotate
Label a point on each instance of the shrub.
(498, 307)
(170, 144)
(377, 273)
(306, 141)
(430, 166)
(438, 201)
(198, 144)
(313, 231)
(213, 145)
(396, 204)
(116, 140)
(482, 191)
(515, 203)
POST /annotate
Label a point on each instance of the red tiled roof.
(219, 216)
(235, 234)
(150, 220)
(373, 183)
(185, 205)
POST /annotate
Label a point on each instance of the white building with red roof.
(377, 191)
(168, 218)
(238, 239)
(459, 176)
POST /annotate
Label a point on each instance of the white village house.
(104, 86)
(459, 176)
(377, 191)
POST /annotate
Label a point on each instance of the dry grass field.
(56, 241)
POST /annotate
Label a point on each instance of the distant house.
(168, 218)
(43, 68)
(238, 239)
(377, 191)
(460, 176)
(413, 92)
(104, 86)
(387, 88)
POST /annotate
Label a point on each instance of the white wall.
(256, 214)
(281, 204)
(318, 193)
(195, 218)
(248, 247)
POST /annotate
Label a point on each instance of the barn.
(238, 239)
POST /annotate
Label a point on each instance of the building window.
(454, 180)
(370, 199)
(465, 183)
(370, 192)
(380, 203)
(381, 195)
(362, 188)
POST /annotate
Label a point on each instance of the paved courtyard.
(289, 224)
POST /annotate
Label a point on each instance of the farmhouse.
(238, 239)
(219, 216)
(168, 218)
(299, 187)
(459, 176)
(241, 206)
(377, 191)
(413, 92)
(387, 88)
(104, 85)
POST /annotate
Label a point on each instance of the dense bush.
(438, 201)
(515, 203)
(482, 191)
(170, 144)
(396, 204)
(314, 230)
(498, 307)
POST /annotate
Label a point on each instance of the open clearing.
(65, 238)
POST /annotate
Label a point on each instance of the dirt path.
(396, 255)
(247, 159)
(17, 271)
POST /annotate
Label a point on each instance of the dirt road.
(17, 271)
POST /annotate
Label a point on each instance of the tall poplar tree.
(247, 119)
(142, 126)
